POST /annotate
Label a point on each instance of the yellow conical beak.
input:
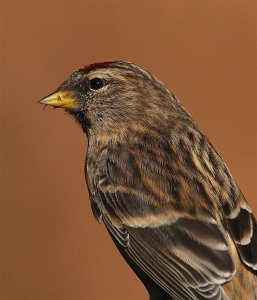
(64, 99)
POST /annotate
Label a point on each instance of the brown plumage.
(163, 192)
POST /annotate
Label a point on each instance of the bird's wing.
(180, 243)
(188, 258)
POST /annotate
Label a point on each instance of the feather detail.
(243, 229)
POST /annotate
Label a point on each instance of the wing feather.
(188, 258)
(243, 229)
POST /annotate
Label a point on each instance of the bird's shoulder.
(183, 172)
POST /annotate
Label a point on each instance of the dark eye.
(96, 83)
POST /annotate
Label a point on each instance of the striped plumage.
(163, 192)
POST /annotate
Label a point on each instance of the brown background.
(204, 51)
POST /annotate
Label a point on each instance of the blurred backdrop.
(205, 53)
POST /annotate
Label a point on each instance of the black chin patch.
(81, 118)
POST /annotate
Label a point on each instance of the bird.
(164, 194)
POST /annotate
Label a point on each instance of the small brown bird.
(163, 192)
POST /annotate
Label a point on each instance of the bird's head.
(113, 96)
